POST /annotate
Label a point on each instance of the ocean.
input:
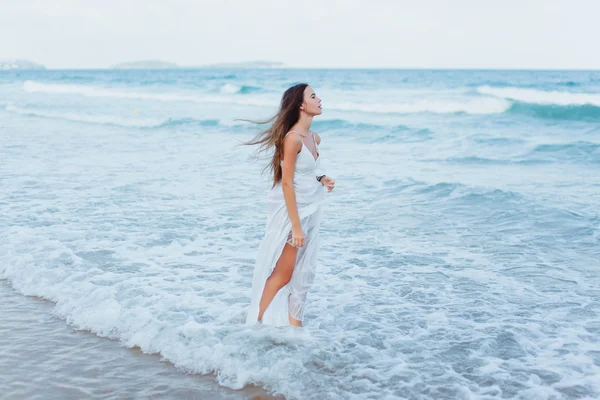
(460, 250)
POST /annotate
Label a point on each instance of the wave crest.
(128, 122)
(534, 96)
(547, 104)
(476, 106)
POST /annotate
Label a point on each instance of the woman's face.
(311, 104)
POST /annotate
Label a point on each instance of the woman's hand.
(297, 236)
(328, 183)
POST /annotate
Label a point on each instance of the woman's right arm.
(292, 144)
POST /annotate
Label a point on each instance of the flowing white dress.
(310, 194)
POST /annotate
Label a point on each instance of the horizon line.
(313, 68)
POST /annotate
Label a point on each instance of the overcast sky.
(305, 33)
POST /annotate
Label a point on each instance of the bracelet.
(320, 177)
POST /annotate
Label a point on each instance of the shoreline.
(46, 358)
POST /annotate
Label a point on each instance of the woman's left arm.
(318, 141)
(326, 181)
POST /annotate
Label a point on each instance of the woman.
(287, 256)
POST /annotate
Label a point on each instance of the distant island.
(8, 65)
(157, 64)
(249, 64)
(147, 64)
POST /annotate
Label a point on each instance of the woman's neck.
(304, 123)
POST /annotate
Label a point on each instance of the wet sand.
(41, 357)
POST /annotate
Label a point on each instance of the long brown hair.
(286, 117)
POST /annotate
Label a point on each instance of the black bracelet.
(320, 177)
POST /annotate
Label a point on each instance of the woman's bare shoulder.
(292, 140)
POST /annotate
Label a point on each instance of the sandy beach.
(41, 357)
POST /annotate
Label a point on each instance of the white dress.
(310, 194)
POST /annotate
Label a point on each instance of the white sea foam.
(230, 88)
(133, 121)
(93, 91)
(543, 97)
(434, 106)
(403, 103)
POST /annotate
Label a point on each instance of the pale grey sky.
(305, 33)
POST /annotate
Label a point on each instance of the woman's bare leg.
(294, 321)
(281, 275)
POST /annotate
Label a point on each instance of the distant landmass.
(249, 64)
(146, 64)
(157, 64)
(8, 65)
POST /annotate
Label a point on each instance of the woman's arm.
(292, 144)
(318, 141)
(325, 180)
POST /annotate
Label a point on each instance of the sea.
(459, 255)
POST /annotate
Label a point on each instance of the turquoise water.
(460, 248)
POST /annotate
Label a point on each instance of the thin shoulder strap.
(314, 138)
